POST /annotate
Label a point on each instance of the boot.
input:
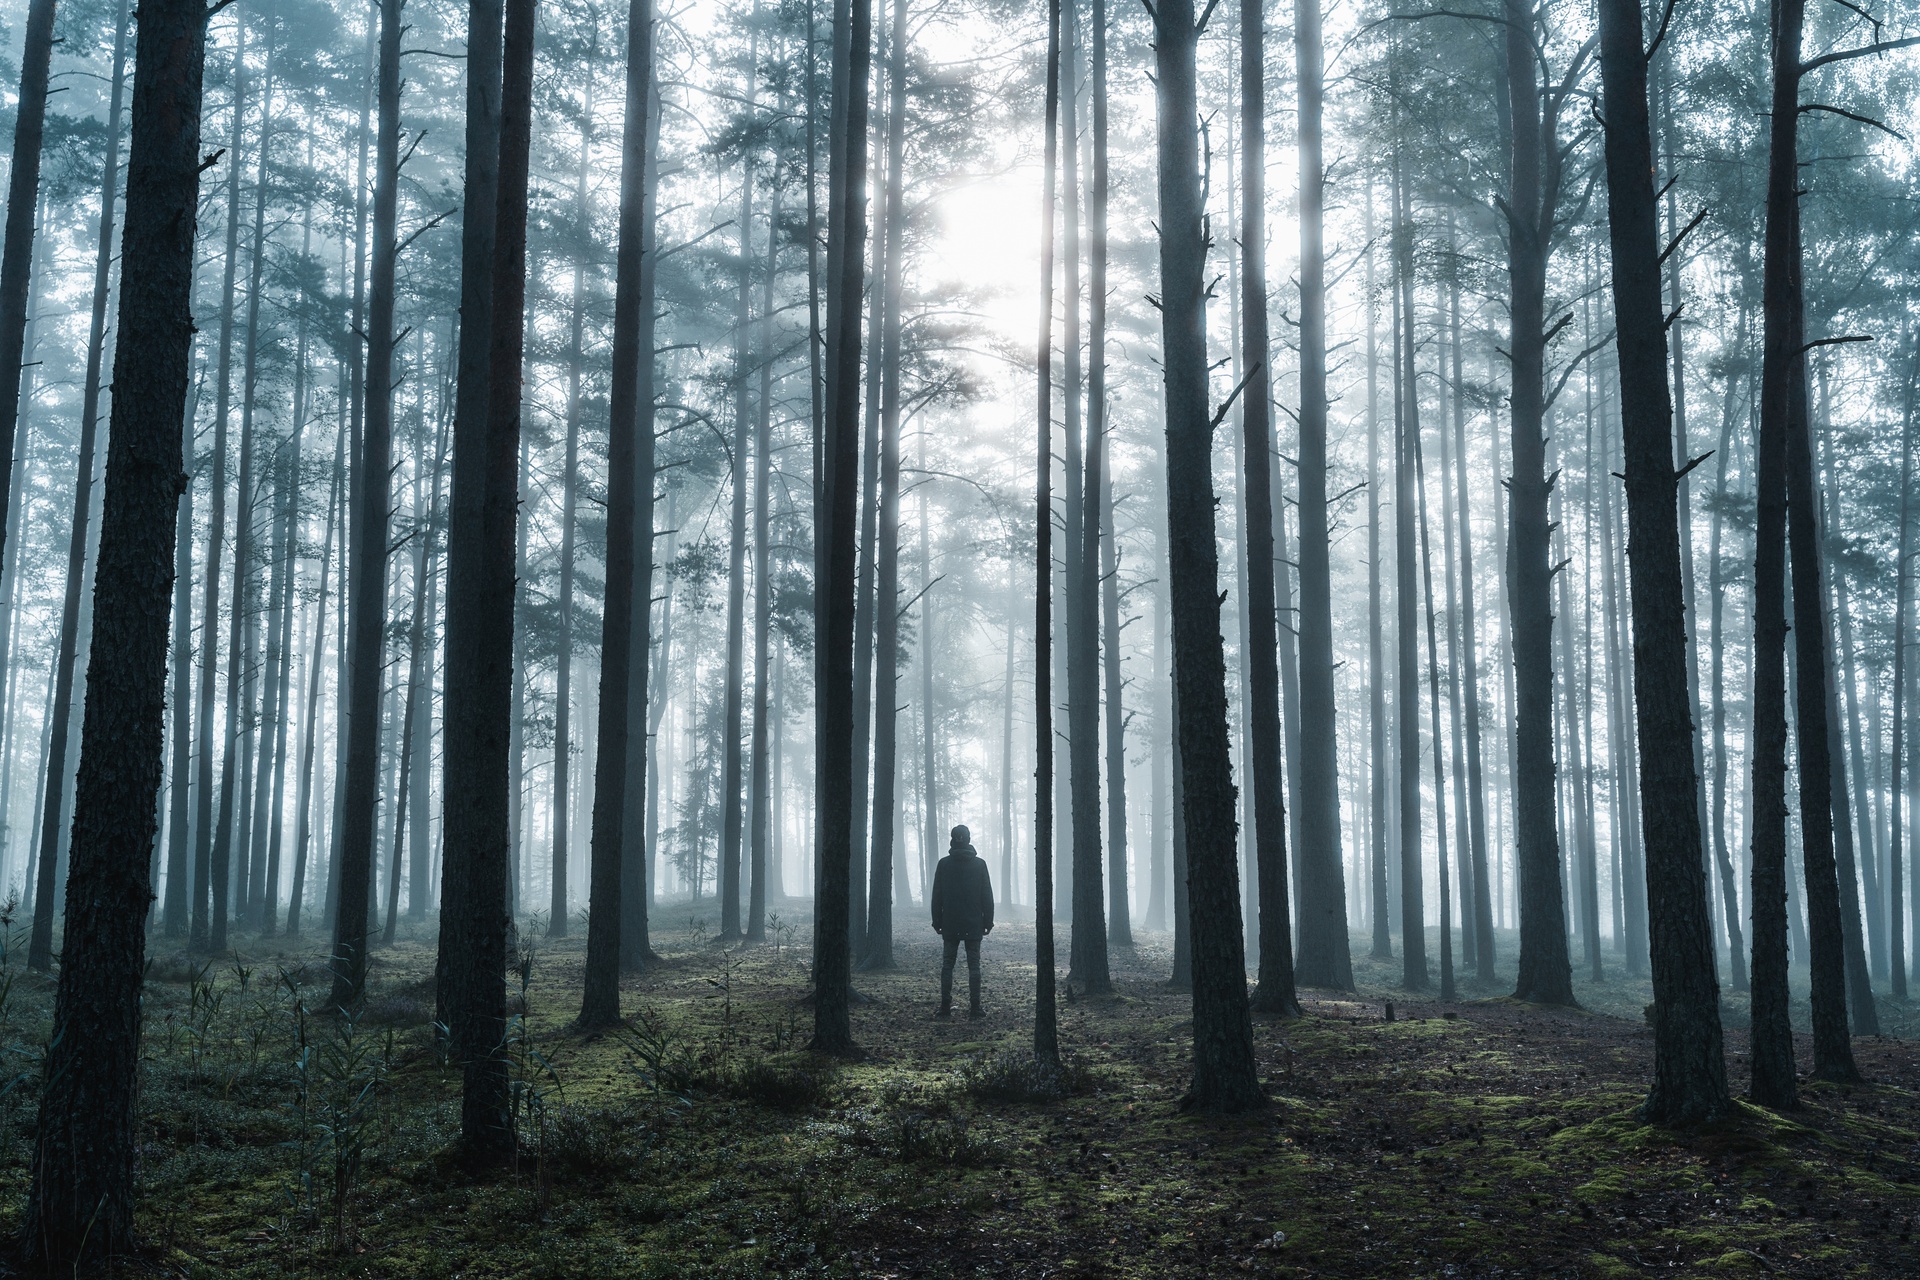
(976, 1011)
(946, 1012)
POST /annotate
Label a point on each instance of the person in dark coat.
(962, 912)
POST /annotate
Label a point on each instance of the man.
(962, 912)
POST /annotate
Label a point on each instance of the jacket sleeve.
(986, 895)
(937, 899)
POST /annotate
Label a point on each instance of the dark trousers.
(952, 953)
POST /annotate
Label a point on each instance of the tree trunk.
(731, 827)
(367, 574)
(1545, 974)
(1413, 925)
(311, 719)
(885, 604)
(1433, 702)
(1690, 1078)
(628, 611)
(1275, 992)
(16, 252)
(1224, 1077)
(1046, 1032)
(1324, 961)
(77, 540)
(1100, 492)
(1379, 909)
(835, 523)
(1903, 592)
(80, 1210)
(759, 811)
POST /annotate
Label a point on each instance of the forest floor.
(1480, 1138)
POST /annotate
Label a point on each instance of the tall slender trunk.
(758, 809)
(1545, 973)
(1716, 650)
(205, 874)
(310, 721)
(1275, 992)
(79, 1212)
(1903, 592)
(1476, 922)
(1379, 911)
(1223, 1067)
(77, 539)
(616, 923)
(367, 572)
(1413, 925)
(1100, 492)
(835, 520)
(17, 249)
(885, 604)
(1433, 703)
(731, 826)
(280, 665)
(1046, 1033)
(1324, 960)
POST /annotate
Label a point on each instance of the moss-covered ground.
(1478, 1138)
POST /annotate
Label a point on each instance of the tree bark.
(1406, 695)
(79, 1212)
(1690, 1075)
(1545, 972)
(372, 515)
(1224, 1079)
(1046, 1032)
(628, 610)
(1275, 992)
(835, 523)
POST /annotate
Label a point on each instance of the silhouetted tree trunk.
(759, 810)
(1379, 907)
(1275, 993)
(1690, 1074)
(1545, 972)
(367, 573)
(1716, 649)
(1903, 592)
(885, 606)
(80, 1210)
(310, 721)
(1772, 1031)
(731, 827)
(1224, 1078)
(61, 712)
(1046, 1031)
(1324, 961)
(16, 251)
(835, 520)
(1406, 684)
(482, 527)
(202, 935)
(1100, 492)
(628, 610)
(1433, 702)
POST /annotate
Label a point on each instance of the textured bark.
(1689, 1073)
(1545, 973)
(481, 538)
(836, 487)
(1275, 992)
(628, 608)
(1773, 1083)
(1433, 702)
(80, 1210)
(761, 811)
(1224, 1078)
(367, 571)
(1323, 958)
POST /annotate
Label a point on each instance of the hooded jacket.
(962, 894)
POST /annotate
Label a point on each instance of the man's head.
(962, 838)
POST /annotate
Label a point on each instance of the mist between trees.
(508, 472)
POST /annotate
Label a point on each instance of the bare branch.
(1857, 119)
(1846, 55)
